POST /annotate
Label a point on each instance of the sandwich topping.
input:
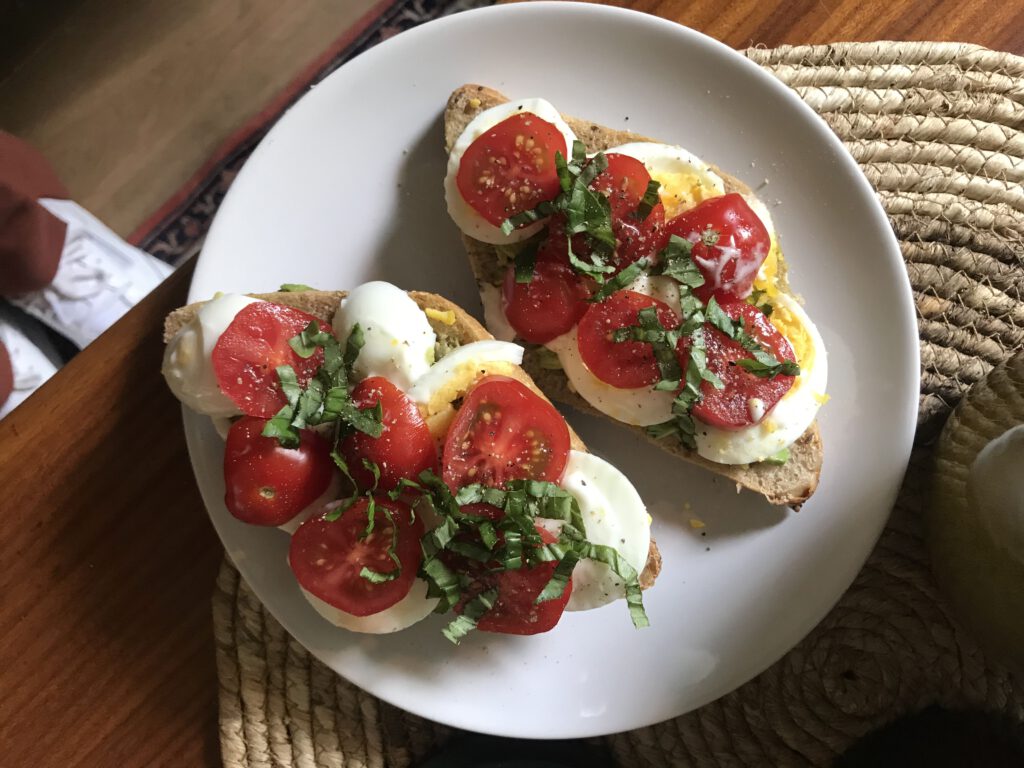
(659, 292)
(416, 474)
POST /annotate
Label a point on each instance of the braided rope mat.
(937, 129)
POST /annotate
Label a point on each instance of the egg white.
(614, 515)
(412, 608)
(784, 423)
(473, 358)
(640, 406)
(398, 340)
(187, 364)
(462, 213)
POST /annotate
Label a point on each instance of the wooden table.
(107, 559)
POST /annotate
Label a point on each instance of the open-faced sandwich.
(648, 285)
(416, 466)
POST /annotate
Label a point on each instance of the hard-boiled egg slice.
(412, 608)
(686, 180)
(462, 213)
(793, 414)
(452, 376)
(494, 316)
(614, 515)
(187, 365)
(641, 406)
(398, 339)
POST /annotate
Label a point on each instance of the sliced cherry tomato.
(729, 408)
(327, 557)
(511, 167)
(625, 364)
(552, 302)
(514, 612)
(730, 244)
(246, 356)
(266, 484)
(504, 432)
(624, 182)
(404, 448)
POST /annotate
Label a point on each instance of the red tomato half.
(552, 302)
(404, 448)
(730, 265)
(728, 408)
(504, 432)
(327, 557)
(514, 612)
(246, 356)
(624, 182)
(266, 484)
(511, 167)
(625, 364)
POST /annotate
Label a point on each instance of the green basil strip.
(488, 535)
(634, 595)
(473, 611)
(648, 201)
(294, 288)
(304, 344)
(763, 363)
(769, 370)
(437, 539)
(598, 164)
(280, 428)
(595, 268)
(353, 345)
(512, 559)
(525, 262)
(378, 577)
(676, 261)
(470, 550)
(621, 280)
(441, 583)
(559, 580)
(562, 169)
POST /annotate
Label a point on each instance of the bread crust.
(464, 330)
(789, 484)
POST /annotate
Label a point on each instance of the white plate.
(347, 187)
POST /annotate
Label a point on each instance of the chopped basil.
(326, 398)
(621, 280)
(559, 580)
(294, 288)
(510, 543)
(525, 261)
(472, 612)
(663, 343)
(769, 369)
(648, 201)
(587, 212)
(763, 363)
(380, 577)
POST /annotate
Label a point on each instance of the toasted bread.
(788, 484)
(464, 329)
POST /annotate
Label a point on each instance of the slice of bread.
(789, 484)
(463, 329)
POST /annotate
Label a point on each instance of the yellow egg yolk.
(681, 191)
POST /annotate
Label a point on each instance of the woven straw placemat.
(937, 129)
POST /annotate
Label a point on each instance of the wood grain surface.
(107, 558)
